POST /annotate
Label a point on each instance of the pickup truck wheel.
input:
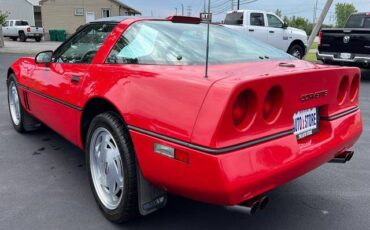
(38, 39)
(21, 120)
(22, 36)
(14, 38)
(111, 163)
(296, 51)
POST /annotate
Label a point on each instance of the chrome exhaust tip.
(343, 158)
(251, 207)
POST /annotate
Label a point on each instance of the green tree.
(278, 13)
(342, 12)
(3, 17)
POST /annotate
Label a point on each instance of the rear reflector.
(164, 150)
(171, 152)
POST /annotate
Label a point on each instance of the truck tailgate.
(356, 41)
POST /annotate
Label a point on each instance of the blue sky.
(304, 8)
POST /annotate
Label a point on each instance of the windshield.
(358, 21)
(167, 43)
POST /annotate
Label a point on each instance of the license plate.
(345, 55)
(306, 123)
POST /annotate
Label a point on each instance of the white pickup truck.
(269, 28)
(21, 29)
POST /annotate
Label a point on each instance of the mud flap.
(150, 197)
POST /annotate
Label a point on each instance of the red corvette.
(133, 94)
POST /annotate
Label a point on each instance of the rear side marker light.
(28, 29)
(171, 152)
(272, 105)
(355, 88)
(343, 90)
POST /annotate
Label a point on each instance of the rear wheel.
(21, 120)
(22, 36)
(38, 39)
(111, 161)
(14, 38)
(296, 51)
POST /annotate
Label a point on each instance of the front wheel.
(21, 120)
(111, 161)
(296, 51)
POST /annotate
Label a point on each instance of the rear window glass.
(358, 21)
(21, 23)
(167, 43)
(234, 19)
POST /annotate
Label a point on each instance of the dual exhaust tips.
(343, 158)
(250, 207)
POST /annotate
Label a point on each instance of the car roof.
(118, 18)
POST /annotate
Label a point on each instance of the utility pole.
(1, 37)
(190, 11)
(208, 28)
(176, 11)
(238, 4)
(232, 4)
(182, 9)
(315, 12)
(317, 27)
(205, 6)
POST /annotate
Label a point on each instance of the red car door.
(56, 87)
(54, 97)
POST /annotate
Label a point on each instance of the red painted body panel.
(178, 102)
(232, 178)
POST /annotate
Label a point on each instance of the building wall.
(60, 14)
(18, 9)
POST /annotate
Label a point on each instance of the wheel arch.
(92, 108)
(297, 42)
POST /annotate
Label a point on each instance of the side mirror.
(285, 25)
(44, 57)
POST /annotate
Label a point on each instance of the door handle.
(75, 79)
(251, 30)
(271, 31)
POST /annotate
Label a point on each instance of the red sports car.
(132, 92)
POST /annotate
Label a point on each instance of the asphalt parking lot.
(43, 185)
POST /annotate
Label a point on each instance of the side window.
(257, 19)
(234, 18)
(274, 21)
(135, 46)
(83, 46)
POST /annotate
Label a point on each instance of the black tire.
(14, 38)
(38, 39)
(22, 36)
(27, 122)
(297, 51)
(128, 207)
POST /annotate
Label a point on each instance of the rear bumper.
(231, 178)
(335, 57)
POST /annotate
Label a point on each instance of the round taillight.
(355, 88)
(244, 110)
(272, 105)
(343, 90)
